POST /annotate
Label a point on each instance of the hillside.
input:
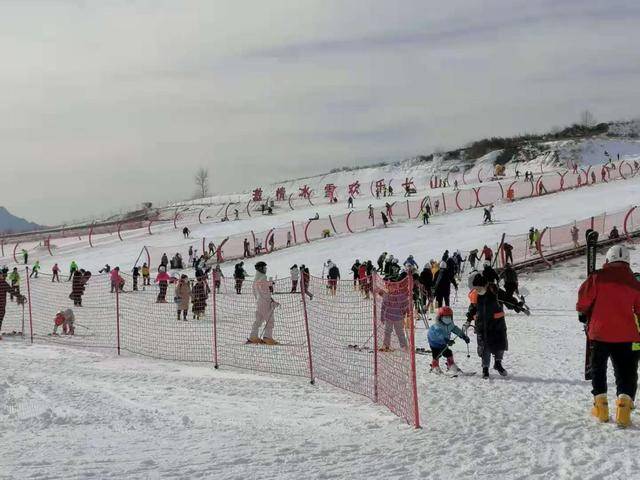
(9, 223)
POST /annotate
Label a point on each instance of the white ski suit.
(265, 306)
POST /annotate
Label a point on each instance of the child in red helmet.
(439, 336)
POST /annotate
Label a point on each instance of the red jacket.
(611, 298)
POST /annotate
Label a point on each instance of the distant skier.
(162, 279)
(135, 274)
(55, 273)
(425, 216)
(332, 278)
(247, 251)
(613, 235)
(487, 253)
(439, 337)
(487, 214)
(370, 208)
(490, 325)
(212, 248)
(185, 232)
(350, 202)
(355, 269)
(25, 256)
(575, 232)
(507, 248)
(36, 269)
(4, 289)
(239, 275)
(288, 238)
(105, 269)
(442, 285)
(14, 279)
(385, 220)
(73, 267)
(473, 258)
(217, 276)
(608, 298)
(380, 261)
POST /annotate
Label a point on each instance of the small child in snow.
(65, 319)
(439, 336)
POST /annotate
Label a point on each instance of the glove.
(582, 318)
(466, 339)
(450, 342)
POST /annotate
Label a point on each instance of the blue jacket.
(439, 334)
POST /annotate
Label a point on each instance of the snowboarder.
(439, 337)
(182, 296)
(490, 325)
(608, 298)
(294, 271)
(442, 285)
(265, 307)
(239, 275)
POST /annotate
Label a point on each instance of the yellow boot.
(623, 410)
(600, 408)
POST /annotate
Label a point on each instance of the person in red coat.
(610, 299)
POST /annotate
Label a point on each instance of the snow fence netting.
(359, 338)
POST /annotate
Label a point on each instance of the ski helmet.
(618, 253)
(261, 267)
(445, 315)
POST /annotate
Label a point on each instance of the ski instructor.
(610, 299)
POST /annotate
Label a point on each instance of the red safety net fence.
(359, 338)
(570, 235)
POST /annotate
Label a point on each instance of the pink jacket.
(163, 277)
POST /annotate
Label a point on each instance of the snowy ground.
(70, 413)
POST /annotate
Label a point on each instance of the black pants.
(441, 352)
(510, 288)
(163, 292)
(294, 286)
(440, 298)
(625, 367)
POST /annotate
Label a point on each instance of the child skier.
(146, 277)
(65, 319)
(35, 269)
(439, 336)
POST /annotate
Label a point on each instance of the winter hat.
(444, 315)
(261, 266)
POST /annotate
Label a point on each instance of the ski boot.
(269, 341)
(485, 372)
(435, 367)
(623, 410)
(497, 365)
(600, 408)
(452, 367)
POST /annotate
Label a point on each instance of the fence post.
(293, 227)
(444, 203)
(373, 279)
(29, 300)
(118, 318)
(412, 354)
(408, 210)
(215, 321)
(303, 289)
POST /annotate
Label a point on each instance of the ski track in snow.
(75, 413)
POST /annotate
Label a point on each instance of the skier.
(350, 202)
(364, 278)
(146, 275)
(436, 205)
(162, 279)
(490, 326)
(380, 261)
(532, 237)
(385, 220)
(135, 273)
(182, 296)
(199, 294)
(288, 238)
(305, 278)
(294, 271)
(333, 276)
(425, 215)
(4, 289)
(355, 269)
(608, 298)
(77, 288)
(25, 256)
(439, 337)
(236, 214)
(239, 275)
(265, 307)
(473, 258)
(427, 209)
(487, 214)
(73, 267)
(55, 271)
(35, 269)
(487, 253)
(410, 262)
(442, 285)
(217, 277)
(164, 261)
(14, 279)
(426, 283)
(185, 232)
(613, 235)
(212, 248)
(66, 319)
(117, 282)
(190, 252)
(508, 252)
(393, 308)
(247, 251)
(370, 208)
(387, 265)
(105, 269)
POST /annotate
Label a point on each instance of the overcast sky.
(105, 104)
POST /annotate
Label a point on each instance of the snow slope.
(70, 413)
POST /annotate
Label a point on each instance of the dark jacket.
(491, 328)
(443, 281)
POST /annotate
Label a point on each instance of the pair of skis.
(592, 244)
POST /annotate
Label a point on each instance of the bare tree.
(202, 181)
(587, 119)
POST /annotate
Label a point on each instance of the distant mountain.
(11, 224)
